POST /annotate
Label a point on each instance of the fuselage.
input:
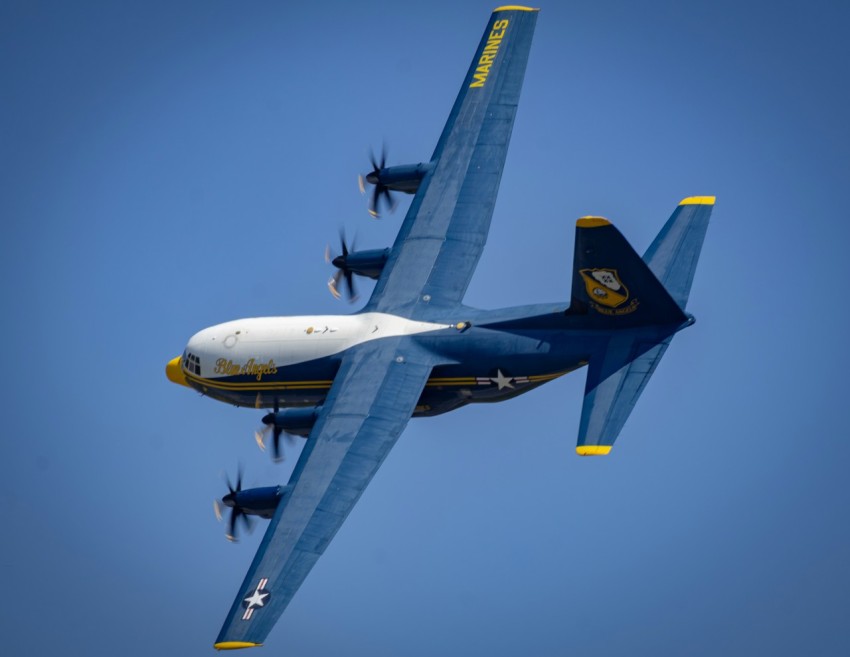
(292, 361)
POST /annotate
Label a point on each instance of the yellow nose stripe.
(174, 372)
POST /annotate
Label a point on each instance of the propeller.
(380, 190)
(236, 511)
(269, 427)
(343, 272)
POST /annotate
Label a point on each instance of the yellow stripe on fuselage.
(261, 386)
(547, 377)
(250, 386)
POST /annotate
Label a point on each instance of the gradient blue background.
(173, 165)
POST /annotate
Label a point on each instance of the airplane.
(350, 383)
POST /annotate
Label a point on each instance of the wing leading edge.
(444, 232)
(368, 406)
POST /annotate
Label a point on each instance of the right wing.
(444, 232)
(371, 400)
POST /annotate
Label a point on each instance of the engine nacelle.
(257, 501)
(402, 178)
(297, 421)
(368, 263)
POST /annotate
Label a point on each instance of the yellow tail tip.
(698, 200)
(514, 8)
(593, 450)
(235, 645)
(592, 222)
(174, 372)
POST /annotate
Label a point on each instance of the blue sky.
(170, 166)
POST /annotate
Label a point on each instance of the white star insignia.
(257, 599)
(501, 380)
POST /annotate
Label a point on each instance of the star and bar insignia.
(257, 599)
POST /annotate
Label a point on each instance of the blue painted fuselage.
(492, 356)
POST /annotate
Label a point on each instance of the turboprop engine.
(401, 178)
(369, 263)
(289, 422)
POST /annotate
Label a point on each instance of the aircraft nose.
(174, 372)
(229, 500)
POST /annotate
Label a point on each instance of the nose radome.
(174, 372)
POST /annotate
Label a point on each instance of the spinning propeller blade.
(380, 191)
(343, 272)
(236, 511)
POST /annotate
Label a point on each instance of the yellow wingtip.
(593, 450)
(698, 200)
(174, 372)
(592, 222)
(235, 645)
(514, 8)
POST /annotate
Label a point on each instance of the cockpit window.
(192, 363)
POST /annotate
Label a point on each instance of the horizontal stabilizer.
(674, 253)
(615, 380)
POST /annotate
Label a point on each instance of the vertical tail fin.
(612, 286)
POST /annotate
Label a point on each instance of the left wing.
(371, 400)
(443, 234)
